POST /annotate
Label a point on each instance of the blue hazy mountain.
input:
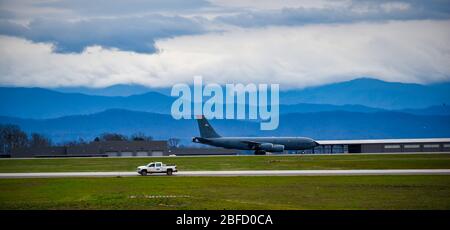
(363, 91)
(307, 107)
(311, 108)
(361, 95)
(432, 110)
(372, 93)
(44, 103)
(319, 125)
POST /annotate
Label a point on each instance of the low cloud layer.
(294, 56)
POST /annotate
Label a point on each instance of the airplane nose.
(316, 144)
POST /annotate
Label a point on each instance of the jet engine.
(269, 147)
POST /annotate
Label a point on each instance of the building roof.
(129, 145)
(384, 141)
(203, 151)
(92, 148)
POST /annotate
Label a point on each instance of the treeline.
(11, 136)
(171, 142)
(112, 137)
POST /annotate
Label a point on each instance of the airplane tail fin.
(206, 130)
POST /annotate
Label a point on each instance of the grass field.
(323, 192)
(353, 161)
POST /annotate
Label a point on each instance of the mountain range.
(43, 103)
(318, 125)
(362, 91)
(372, 93)
(357, 109)
(361, 95)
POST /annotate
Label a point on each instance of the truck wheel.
(169, 172)
(144, 172)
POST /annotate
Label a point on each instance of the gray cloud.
(73, 25)
(118, 7)
(355, 11)
(6, 14)
(83, 8)
(131, 33)
(135, 25)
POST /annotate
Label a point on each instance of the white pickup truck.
(157, 167)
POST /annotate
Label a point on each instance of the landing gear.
(260, 152)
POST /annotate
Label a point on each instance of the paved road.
(240, 173)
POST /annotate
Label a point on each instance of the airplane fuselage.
(260, 145)
(244, 143)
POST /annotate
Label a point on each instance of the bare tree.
(112, 137)
(140, 136)
(11, 136)
(80, 141)
(173, 142)
(39, 140)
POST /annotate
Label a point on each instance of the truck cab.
(157, 167)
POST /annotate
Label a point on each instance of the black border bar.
(108, 218)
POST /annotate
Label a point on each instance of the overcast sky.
(296, 43)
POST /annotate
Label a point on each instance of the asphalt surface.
(239, 173)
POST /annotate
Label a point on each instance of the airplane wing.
(252, 144)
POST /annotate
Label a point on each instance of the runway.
(237, 173)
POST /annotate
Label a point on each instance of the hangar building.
(383, 146)
(97, 148)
